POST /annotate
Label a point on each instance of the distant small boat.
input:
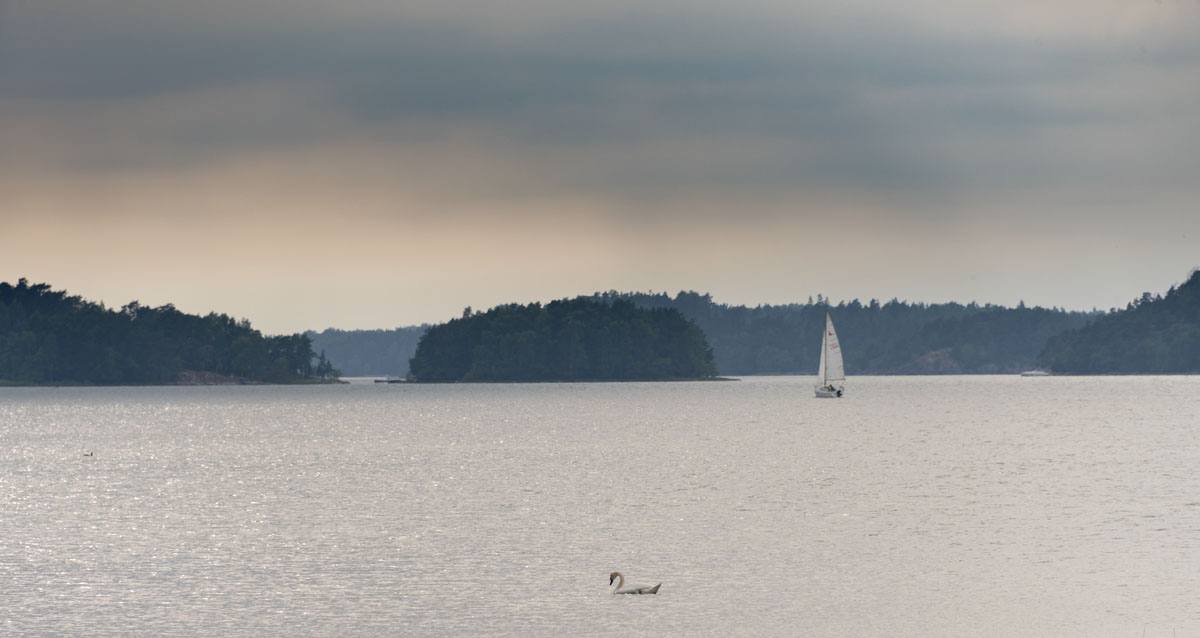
(389, 380)
(831, 374)
(1035, 373)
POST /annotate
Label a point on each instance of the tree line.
(50, 337)
(894, 337)
(567, 340)
(1153, 334)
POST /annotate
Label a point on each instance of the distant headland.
(1154, 334)
(48, 337)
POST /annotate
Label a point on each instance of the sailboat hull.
(825, 393)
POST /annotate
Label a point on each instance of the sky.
(373, 163)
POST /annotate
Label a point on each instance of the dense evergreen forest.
(50, 337)
(1152, 335)
(889, 338)
(369, 352)
(568, 340)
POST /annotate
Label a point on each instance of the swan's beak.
(611, 579)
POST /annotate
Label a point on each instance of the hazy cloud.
(919, 122)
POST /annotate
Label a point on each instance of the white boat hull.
(826, 393)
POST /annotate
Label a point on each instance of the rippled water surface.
(914, 506)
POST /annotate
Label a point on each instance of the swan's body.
(620, 587)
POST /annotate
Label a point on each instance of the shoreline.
(508, 381)
(11, 384)
(343, 380)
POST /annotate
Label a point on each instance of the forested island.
(1154, 334)
(48, 337)
(568, 340)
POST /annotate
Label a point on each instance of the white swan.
(620, 579)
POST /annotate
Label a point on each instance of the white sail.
(821, 367)
(832, 371)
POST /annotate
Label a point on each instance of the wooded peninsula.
(1154, 334)
(48, 337)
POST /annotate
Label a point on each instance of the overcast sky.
(371, 163)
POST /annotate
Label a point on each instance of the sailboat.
(831, 376)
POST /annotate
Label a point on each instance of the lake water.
(980, 506)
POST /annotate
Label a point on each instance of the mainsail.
(831, 371)
(821, 367)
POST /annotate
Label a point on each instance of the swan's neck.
(620, 582)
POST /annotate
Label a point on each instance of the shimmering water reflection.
(914, 506)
